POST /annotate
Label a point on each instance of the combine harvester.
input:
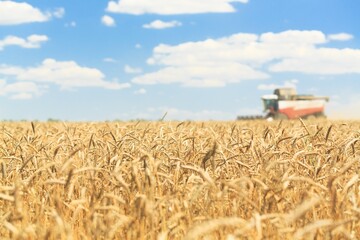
(285, 103)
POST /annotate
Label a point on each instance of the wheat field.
(180, 180)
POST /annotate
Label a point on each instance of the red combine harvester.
(285, 103)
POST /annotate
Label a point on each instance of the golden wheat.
(180, 180)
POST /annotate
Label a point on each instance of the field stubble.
(180, 180)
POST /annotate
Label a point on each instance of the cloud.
(70, 24)
(66, 74)
(158, 24)
(14, 13)
(212, 75)
(140, 91)
(20, 90)
(109, 60)
(138, 46)
(59, 13)
(246, 56)
(132, 70)
(324, 61)
(287, 84)
(294, 37)
(166, 7)
(22, 96)
(340, 37)
(108, 21)
(32, 41)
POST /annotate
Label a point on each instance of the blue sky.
(194, 59)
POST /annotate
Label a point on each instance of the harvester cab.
(270, 103)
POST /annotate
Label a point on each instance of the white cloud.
(22, 96)
(59, 13)
(32, 41)
(66, 74)
(70, 24)
(35, 39)
(9, 70)
(13, 13)
(20, 90)
(294, 37)
(267, 87)
(132, 70)
(109, 60)
(108, 21)
(244, 56)
(158, 24)
(138, 46)
(166, 7)
(287, 84)
(212, 75)
(340, 37)
(325, 61)
(140, 91)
